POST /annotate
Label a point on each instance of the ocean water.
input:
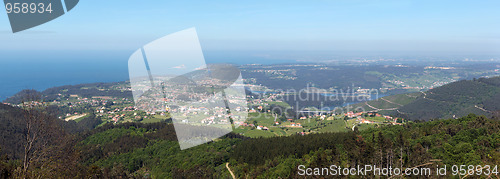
(40, 75)
(40, 70)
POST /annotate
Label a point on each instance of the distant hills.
(393, 78)
(480, 96)
(82, 90)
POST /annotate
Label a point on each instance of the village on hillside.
(261, 120)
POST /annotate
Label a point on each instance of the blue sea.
(41, 70)
(40, 75)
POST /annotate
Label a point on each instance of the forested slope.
(479, 96)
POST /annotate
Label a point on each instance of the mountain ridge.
(480, 96)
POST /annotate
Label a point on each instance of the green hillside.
(457, 99)
(138, 150)
(386, 104)
(454, 100)
(135, 150)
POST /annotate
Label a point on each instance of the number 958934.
(474, 170)
(28, 8)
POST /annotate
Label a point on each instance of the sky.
(93, 42)
(116, 29)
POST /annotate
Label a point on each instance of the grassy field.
(80, 118)
(331, 124)
(154, 118)
(334, 126)
(257, 133)
(291, 131)
(350, 123)
(315, 124)
(286, 105)
(376, 119)
(263, 119)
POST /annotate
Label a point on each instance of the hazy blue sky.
(329, 25)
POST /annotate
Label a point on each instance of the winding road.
(377, 109)
(232, 174)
